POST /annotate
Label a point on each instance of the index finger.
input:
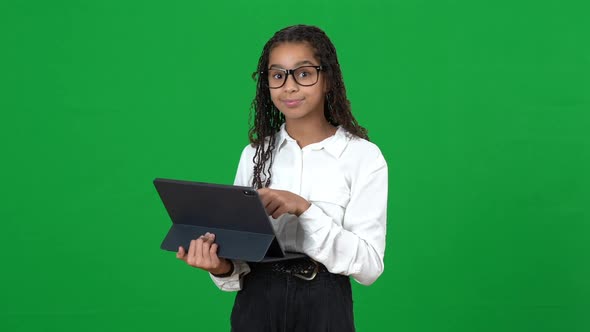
(263, 193)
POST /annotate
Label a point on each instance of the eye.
(276, 74)
(304, 73)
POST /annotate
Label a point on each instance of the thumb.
(181, 253)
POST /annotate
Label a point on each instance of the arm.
(357, 247)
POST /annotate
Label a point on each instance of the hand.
(279, 202)
(202, 254)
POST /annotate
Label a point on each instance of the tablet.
(234, 214)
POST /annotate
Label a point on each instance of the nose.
(290, 85)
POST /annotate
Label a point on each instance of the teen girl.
(321, 181)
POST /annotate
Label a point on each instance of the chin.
(294, 114)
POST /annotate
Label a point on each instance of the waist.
(303, 268)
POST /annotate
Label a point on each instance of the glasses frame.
(291, 72)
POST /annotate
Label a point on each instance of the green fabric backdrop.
(481, 108)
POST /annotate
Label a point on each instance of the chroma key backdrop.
(481, 108)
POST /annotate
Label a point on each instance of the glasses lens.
(306, 75)
(276, 78)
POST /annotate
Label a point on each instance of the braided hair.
(266, 119)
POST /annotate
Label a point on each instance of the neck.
(307, 132)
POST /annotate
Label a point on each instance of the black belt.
(303, 268)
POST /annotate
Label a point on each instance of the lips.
(292, 102)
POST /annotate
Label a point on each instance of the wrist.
(226, 269)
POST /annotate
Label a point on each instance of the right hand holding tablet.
(202, 253)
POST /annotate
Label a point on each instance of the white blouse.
(345, 180)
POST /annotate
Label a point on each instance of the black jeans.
(273, 302)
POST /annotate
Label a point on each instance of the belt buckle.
(314, 272)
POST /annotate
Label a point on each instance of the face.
(297, 102)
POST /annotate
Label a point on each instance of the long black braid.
(268, 119)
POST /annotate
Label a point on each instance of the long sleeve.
(233, 282)
(356, 246)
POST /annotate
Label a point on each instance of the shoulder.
(364, 164)
(364, 151)
(248, 151)
(362, 146)
(361, 159)
(245, 166)
(247, 156)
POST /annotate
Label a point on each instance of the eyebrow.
(298, 64)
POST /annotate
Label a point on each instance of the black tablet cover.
(234, 214)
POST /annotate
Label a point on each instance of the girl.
(323, 184)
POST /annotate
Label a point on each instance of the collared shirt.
(345, 180)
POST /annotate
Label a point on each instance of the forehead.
(289, 55)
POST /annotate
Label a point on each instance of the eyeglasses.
(304, 76)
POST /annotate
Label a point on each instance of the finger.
(209, 237)
(265, 200)
(206, 245)
(272, 204)
(272, 207)
(180, 254)
(206, 258)
(213, 250)
(265, 196)
(213, 254)
(284, 208)
(191, 249)
(191, 256)
(279, 212)
(199, 249)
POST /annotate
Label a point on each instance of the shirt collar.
(334, 145)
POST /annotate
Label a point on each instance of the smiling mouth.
(292, 102)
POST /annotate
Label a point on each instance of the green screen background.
(481, 109)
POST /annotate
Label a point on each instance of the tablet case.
(234, 214)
